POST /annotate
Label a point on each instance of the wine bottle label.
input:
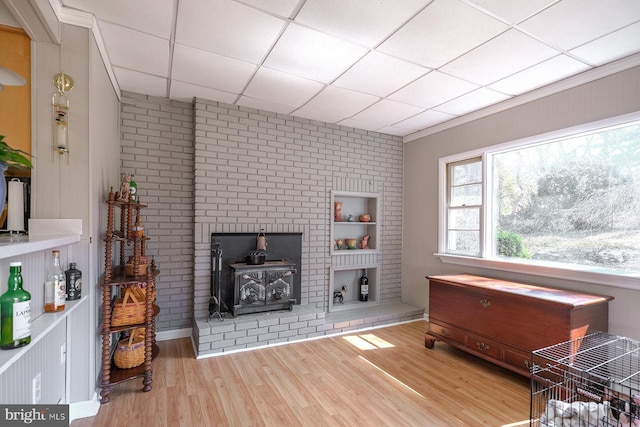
(364, 289)
(21, 320)
(59, 293)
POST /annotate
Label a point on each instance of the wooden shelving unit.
(115, 282)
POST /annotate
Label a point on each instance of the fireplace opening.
(248, 288)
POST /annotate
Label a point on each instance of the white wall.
(607, 97)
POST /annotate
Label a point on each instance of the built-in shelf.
(349, 276)
(40, 327)
(355, 204)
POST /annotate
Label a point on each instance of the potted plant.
(10, 157)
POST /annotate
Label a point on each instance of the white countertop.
(43, 234)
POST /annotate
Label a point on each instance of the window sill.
(600, 276)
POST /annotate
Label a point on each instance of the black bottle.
(364, 287)
(74, 281)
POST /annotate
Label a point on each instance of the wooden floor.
(381, 377)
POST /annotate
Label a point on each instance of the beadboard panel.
(44, 358)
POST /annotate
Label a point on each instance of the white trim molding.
(551, 89)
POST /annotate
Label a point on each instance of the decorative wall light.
(60, 104)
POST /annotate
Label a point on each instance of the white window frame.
(517, 265)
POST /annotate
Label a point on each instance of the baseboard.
(87, 408)
(173, 334)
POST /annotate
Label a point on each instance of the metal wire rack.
(590, 381)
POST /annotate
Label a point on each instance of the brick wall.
(256, 169)
(157, 145)
(214, 167)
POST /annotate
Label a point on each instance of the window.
(567, 202)
(465, 206)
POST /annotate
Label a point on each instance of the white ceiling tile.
(513, 11)
(148, 16)
(395, 130)
(181, 91)
(449, 57)
(134, 81)
(611, 47)
(358, 124)
(433, 89)
(268, 84)
(145, 53)
(209, 70)
(472, 101)
(379, 74)
(440, 33)
(227, 28)
(500, 57)
(387, 112)
(539, 75)
(260, 104)
(365, 22)
(313, 55)
(282, 8)
(425, 120)
(571, 23)
(334, 104)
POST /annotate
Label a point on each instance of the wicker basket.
(129, 310)
(129, 270)
(130, 351)
(142, 266)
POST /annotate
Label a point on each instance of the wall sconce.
(60, 105)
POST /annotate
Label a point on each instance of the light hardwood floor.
(380, 377)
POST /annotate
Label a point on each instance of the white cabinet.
(350, 227)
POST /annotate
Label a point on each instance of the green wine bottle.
(15, 311)
(133, 188)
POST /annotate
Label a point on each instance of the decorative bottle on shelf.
(364, 287)
(54, 287)
(133, 188)
(261, 241)
(15, 311)
(74, 282)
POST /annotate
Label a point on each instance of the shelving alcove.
(349, 264)
(115, 282)
(355, 204)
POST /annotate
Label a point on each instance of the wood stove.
(263, 287)
(283, 265)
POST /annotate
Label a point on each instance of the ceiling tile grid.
(380, 65)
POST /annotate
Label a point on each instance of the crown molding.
(551, 89)
(82, 19)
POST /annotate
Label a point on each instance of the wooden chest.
(502, 321)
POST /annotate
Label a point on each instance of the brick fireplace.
(255, 170)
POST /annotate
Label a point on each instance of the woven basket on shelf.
(129, 310)
(130, 351)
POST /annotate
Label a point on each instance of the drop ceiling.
(392, 66)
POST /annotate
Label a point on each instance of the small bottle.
(74, 282)
(261, 241)
(54, 287)
(15, 311)
(133, 188)
(364, 287)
